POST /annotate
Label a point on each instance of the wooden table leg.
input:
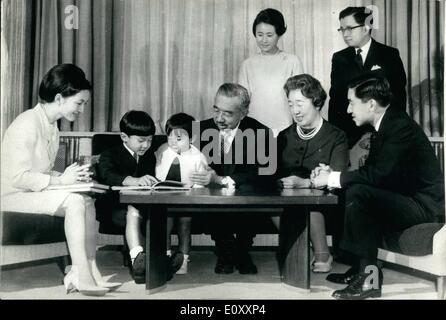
(294, 256)
(156, 262)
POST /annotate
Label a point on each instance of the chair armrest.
(439, 242)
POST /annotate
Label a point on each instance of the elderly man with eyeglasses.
(232, 143)
(362, 54)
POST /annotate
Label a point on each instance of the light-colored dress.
(190, 161)
(29, 149)
(264, 77)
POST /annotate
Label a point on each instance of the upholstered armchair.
(421, 247)
(28, 237)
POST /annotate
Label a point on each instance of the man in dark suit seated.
(362, 54)
(233, 155)
(400, 184)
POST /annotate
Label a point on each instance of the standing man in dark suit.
(362, 54)
(399, 186)
(233, 155)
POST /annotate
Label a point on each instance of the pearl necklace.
(312, 133)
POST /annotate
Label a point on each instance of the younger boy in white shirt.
(176, 160)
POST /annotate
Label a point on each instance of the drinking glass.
(86, 160)
(83, 160)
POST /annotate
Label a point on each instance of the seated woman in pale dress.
(264, 73)
(29, 149)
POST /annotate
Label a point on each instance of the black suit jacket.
(246, 172)
(344, 68)
(402, 160)
(115, 164)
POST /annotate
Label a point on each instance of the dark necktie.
(373, 134)
(358, 59)
(174, 171)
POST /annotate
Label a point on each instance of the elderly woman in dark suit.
(309, 141)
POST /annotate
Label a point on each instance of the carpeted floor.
(44, 281)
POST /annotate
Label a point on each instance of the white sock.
(134, 252)
(186, 257)
(169, 252)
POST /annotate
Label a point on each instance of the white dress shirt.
(334, 178)
(131, 152)
(190, 161)
(365, 50)
(229, 135)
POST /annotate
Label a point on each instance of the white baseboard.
(201, 240)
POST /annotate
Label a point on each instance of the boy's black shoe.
(174, 263)
(177, 261)
(139, 268)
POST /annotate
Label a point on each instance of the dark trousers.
(371, 213)
(223, 227)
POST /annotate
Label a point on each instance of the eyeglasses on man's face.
(349, 29)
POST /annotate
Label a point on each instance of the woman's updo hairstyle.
(66, 79)
(272, 17)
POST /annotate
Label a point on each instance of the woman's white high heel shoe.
(322, 267)
(101, 282)
(71, 283)
(111, 286)
(183, 268)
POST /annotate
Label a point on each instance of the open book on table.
(161, 185)
(92, 186)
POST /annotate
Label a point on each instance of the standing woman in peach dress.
(29, 149)
(265, 73)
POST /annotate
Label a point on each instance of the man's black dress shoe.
(139, 268)
(343, 278)
(245, 265)
(359, 289)
(224, 266)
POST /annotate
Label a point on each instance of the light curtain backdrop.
(167, 56)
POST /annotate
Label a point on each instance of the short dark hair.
(371, 85)
(66, 79)
(272, 17)
(180, 121)
(360, 14)
(232, 90)
(310, 87)
(137, 123)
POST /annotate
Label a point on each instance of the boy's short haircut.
(180, 121)
(137, 123)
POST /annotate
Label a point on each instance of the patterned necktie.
(174, 171)
(358, 59)
(224, 143)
